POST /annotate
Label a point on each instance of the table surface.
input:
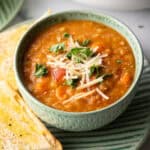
(137, 20)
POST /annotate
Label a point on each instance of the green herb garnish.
(78, 59)
(118, 61)
(80, 53)
(40, 70)
(85, 42)
(95, 70)
(57, 47)
(66, 35)
(72, 82)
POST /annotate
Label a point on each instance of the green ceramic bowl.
(86, 120)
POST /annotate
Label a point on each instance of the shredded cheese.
(75, 70)
(90, 83)
(78, 96)
(101, 93)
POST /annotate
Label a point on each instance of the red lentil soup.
(78, 66)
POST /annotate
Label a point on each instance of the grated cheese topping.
(90, 83)
(101, 93)
(78, 96)
(76, 70)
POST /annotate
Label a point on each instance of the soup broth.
(78, 66)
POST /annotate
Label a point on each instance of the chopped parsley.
(85, 42)
(118, 61)
(80, 53)
(40, 70)
(57, 47)
(95, 70)
(77, 59)
(66, 35)
(72, 82)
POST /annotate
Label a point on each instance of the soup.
(78, 66)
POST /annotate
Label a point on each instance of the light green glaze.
(87, 120)
(8, 10)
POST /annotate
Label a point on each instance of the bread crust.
(8, 42)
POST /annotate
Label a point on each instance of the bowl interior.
(77, 15)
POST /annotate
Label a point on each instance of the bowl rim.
(22, 87)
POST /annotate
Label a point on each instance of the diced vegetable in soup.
(78, 66)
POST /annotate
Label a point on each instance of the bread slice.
(8, 41)
(20, 129)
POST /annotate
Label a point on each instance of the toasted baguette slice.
(19, 128)
(8, 41)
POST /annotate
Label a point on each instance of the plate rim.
(7, 21)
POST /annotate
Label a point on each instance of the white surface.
(134, 19)
(118, 4)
